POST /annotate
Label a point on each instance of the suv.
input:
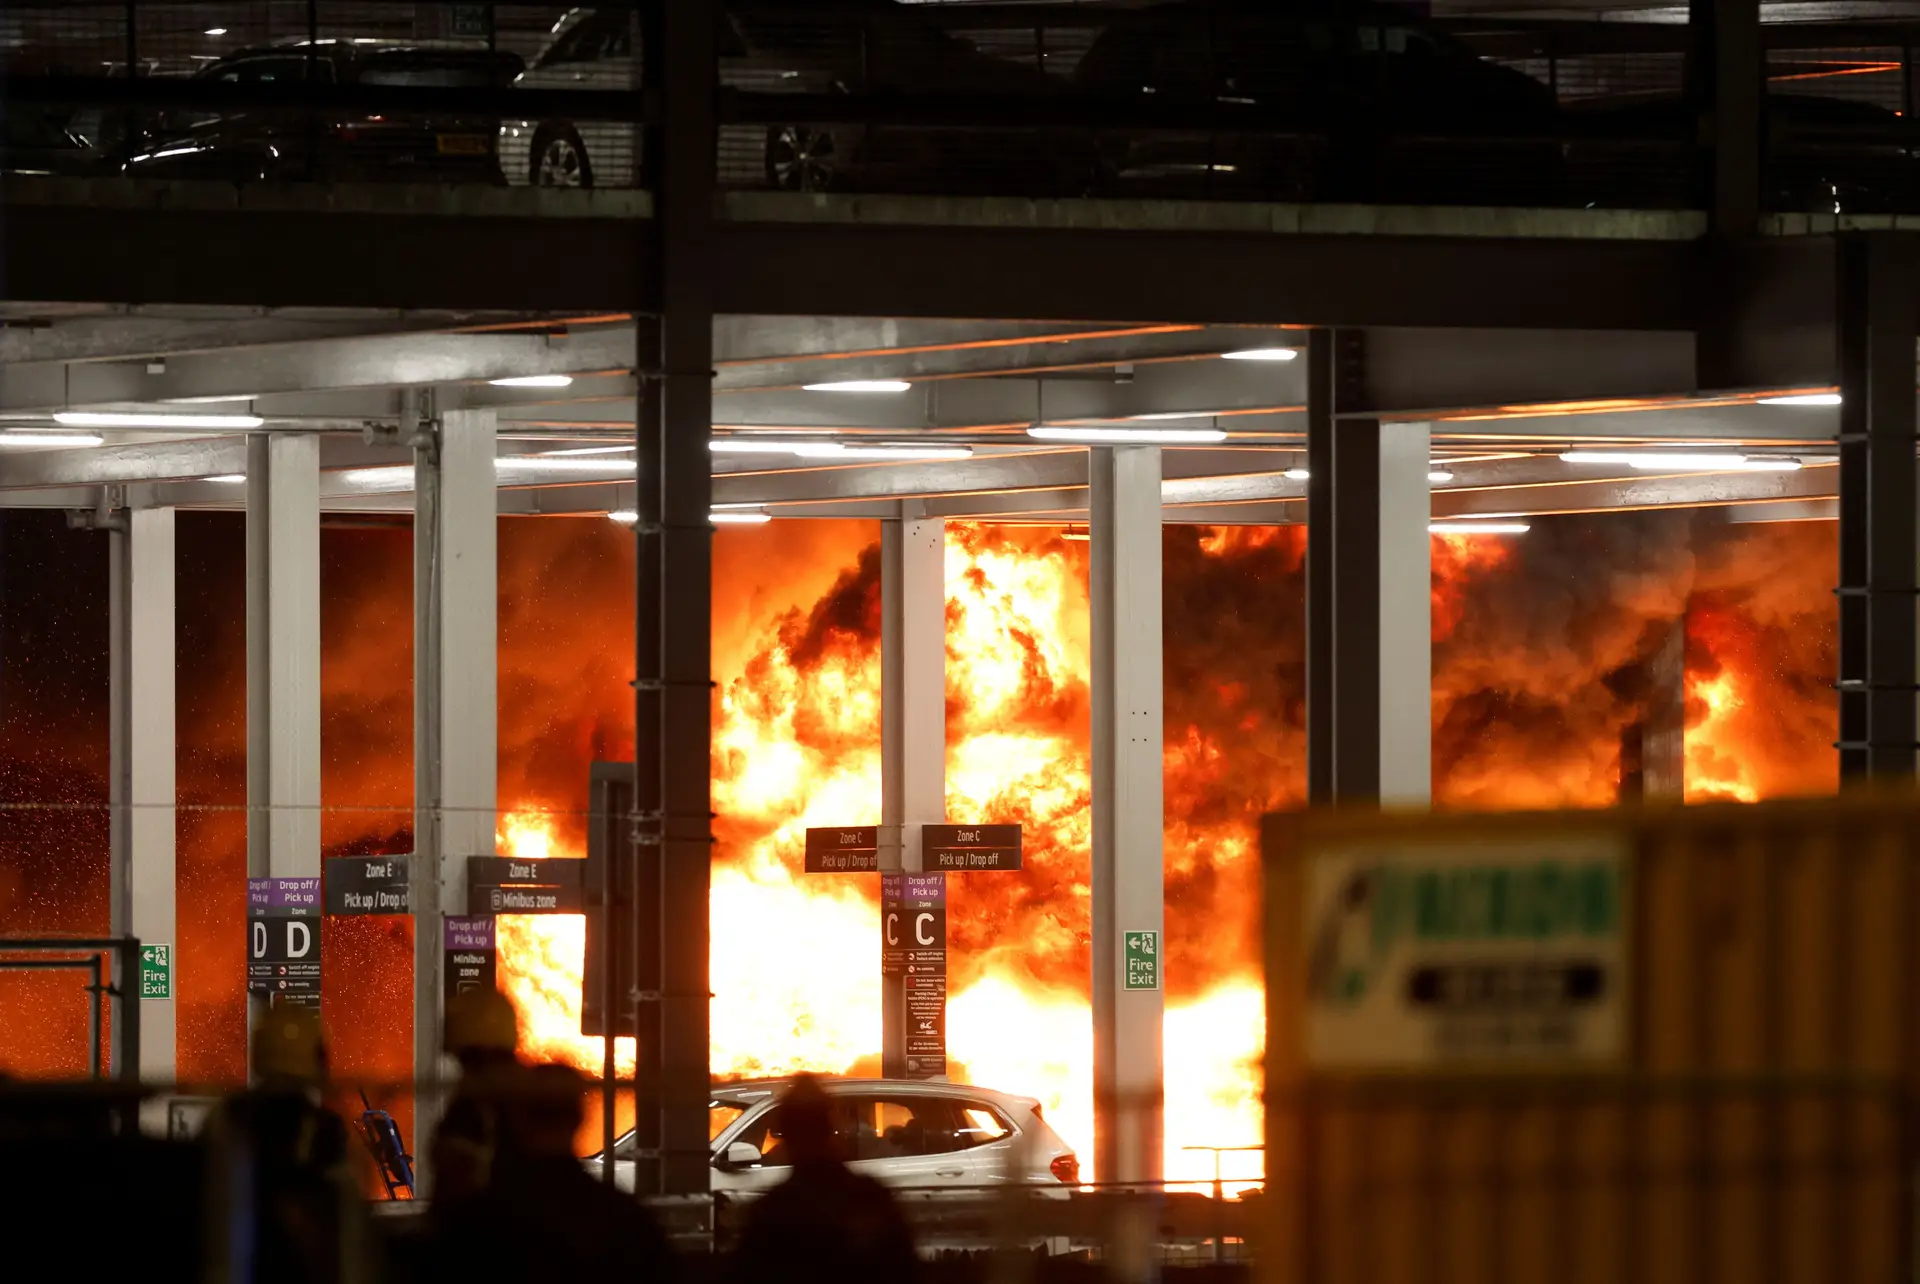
(251, 144)
(924, 1139)
(817, 47)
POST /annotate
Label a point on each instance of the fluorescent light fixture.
(1261, 354)
(717, 507)
(150, 419)
(533, 381)
(1296, 474)
(1804, 399)
(625, 516)
(216, 31)
(1172, 414)
(50, 439)
(1439, 475)
(1078, 537)
(840, 450)
(1091, 435)
(1477, 528)
(229, 479)
(750, 446)
(738, 518)
(383, 475)
(859, 385)
(1676, 461)
(585, 450)
(549, 464)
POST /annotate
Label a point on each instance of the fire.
(1715, 771)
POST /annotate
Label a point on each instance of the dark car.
(1819, 156)
(254, 143)
(40, 140)
(862, 50)
(1321, 100)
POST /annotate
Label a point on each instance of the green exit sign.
(1141, 958)
(156, 971)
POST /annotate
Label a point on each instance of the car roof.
(742, 1091)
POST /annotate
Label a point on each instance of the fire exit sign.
(1140, 956)
(156, 971)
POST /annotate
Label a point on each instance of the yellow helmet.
(289, 1043)
(482, 1020)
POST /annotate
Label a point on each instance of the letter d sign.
(299, 939)
(259, 939)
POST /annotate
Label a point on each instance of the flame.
(1714, 773)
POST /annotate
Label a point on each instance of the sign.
(913, 947)
(1140, 957)
(470, 954)
(843, 849)
(369, 884)
(283, 939)
(1448, 954)
(505, 885)
(970, 847)
(156, 971)
(472, 21)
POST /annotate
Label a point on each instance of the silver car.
(924, 1139)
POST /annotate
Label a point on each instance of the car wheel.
(807, 158)
(559, 159)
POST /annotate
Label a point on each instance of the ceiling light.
(149, 419)
(229, 479)
(838, 450)
(1439, 475)
(1296, 474)
(216, 31)
(738, 518)
(381, 476)
(1261, 354)
(549, 464)
(50, 439)
(1172, 414)
(1803, 399)
(859, 385)
(585, 450)
(1676, 461)
(1078, 537)
(750, 446)
(1113, 436)
(1477, 528)
(533, 381)
(625, 516)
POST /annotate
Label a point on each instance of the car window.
(720, 1117)
(605, 33)
(980, 1126)
(443, 76)
(888, 1127)
(262, 71)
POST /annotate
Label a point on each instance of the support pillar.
(283, 657)
(456, 703)
(1653, 751)
(1128, 814)
(913, 722)
(673, 818)
(1879, 538)
(141, 749)
(1369, 600)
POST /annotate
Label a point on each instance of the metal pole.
(126, 1018)
(120, 770)
(93, 1018)
(614, 827)
(424, 890)
(1321, 660)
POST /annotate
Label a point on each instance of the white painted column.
(283, 656)
(456, 715)
(1406, 614)
(913, 720)
(1128, 737)
(141, 769)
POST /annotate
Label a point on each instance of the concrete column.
(456, 702)
(913, 721)
(283, 657)
(142, 749)
(1369, 601)
(1653, 751)
(1128, 742)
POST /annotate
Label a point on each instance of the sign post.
(913, 920)
(978, 848)
(156, 971)
(843, 849)
(505, 885)
(369, 885)
(283, 939)
(472, 956)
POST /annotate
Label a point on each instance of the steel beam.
(913, 723)
(1129, 737)
(120, 465)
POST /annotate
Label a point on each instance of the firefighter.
(284, 1152)
(482, 1034)
(825, 1223)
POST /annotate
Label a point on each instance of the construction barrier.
(1660, 1044)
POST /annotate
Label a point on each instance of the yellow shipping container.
(1649, 1045)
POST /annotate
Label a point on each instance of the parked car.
(258, 143)
(1819, 155)
(1321, 100)
(924, 1139)
(818, 47)
(40, 140)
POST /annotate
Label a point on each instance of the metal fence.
(1054, 100)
